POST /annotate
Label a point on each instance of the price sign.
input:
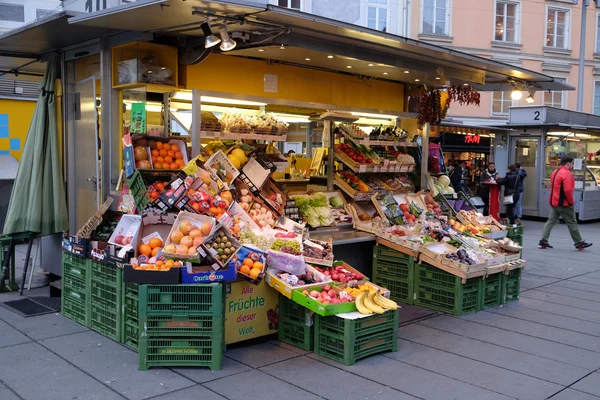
(362, 168)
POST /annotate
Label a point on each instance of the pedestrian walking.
(511, 191)
(562, 187)
(519, 208)
(489, 174)
(456, 177)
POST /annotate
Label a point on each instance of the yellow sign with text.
(251, 311)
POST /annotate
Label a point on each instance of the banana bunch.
(214, 145)
(271, 149)
(374, 303)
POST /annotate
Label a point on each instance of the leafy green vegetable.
(336, 202)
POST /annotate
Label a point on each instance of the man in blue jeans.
(518, 208)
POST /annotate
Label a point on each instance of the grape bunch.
(286, 246)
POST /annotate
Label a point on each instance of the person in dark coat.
(489, 174)
(456, 177)
(511, 183)
(519, 208)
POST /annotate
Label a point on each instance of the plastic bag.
(286, 262)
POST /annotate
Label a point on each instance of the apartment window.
(555, 98)
(500, 103)
(506, 21)
(557, 28)
(435, 17)
(377, 12)
(12, 12)
(598, 33)
(597, 98)
(290, 4)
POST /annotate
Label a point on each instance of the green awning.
(37, 203)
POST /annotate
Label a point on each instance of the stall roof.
(310, 41)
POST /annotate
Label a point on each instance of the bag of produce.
(286, 262)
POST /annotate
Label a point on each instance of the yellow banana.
(368, 302)
(360, 306)
(384, 303)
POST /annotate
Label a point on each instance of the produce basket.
(296, 325)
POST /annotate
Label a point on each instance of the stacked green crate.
(515, 233)
(511, 285)
(348, 340)
(394, 270)
(106, 299)
(76, 286)
(441, 291)
(491, 291)
(181, 325)
(130, 330)
(295, 324)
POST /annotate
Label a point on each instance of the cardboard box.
(327, 261)
(207, 274)
(204, 250)
(76, 246)
(286, 289)
(195, 219)
(170, 277)
(128, 227)
(251, 311)
(154, 225)
(256, 255)
(220, 165)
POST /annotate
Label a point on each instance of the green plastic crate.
(76, 287)
(438, 290)
(106, 284)
(139, 182)
(105, 321)
(347, 347)
(491, 291)
(296, 324)
(386, 254)
(188, 300)
(400, 291)
(511, 285)
(189, 326)
(351, 329)
(130, 332)
(180, 352)
(75, 307)
(397, 277)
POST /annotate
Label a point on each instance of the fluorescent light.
(385, 73)
(329, 56)
(307, 59)
(348, 66)
(380, 116)
(219, 100)
(437, 78)
(291, 118)
(559, 133)
(149, 107)
(261, 49)
(417, 80)
(183, 96)
(516, 94)
(370, 65)
(407, 72)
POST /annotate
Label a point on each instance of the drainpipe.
(580, 85)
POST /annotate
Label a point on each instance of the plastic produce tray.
(189, 326)
(180, 352)
(491, 291)
(76, 287)
(188, 300)
(296, 324)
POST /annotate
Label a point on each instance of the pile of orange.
(151, 248)
(167, 156)
(251, 268)
(159, 266)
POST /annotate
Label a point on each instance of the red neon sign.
(472, 139)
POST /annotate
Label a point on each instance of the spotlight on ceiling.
(211, 40)
(227, 43)
(516, 94)
(529, 99)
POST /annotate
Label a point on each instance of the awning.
(316, 42)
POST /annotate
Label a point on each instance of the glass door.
(526, 151)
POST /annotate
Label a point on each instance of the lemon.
(235, 161)
(239, 153)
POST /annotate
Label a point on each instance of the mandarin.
(155, 242)
(244, 269)
(254, 273)
(145, 250)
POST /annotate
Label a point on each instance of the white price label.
(362, 168)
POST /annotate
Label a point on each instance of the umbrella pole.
(26, 266)
(5, 264)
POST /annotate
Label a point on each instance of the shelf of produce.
(398, 247)
(461, 274)
(368, 142)
(373, 168)
(354, 194)
(242, 136)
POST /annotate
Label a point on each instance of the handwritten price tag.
(362, 168)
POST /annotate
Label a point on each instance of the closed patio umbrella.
(37, 204)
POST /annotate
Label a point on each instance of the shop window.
(501, 101)
(555, 98)
(597, 98)
(377, 13)
(507, 21)
(435, 17)
(290, 4)
(12, 12)
(557, 28)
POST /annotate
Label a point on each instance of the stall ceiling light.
(516, 94)
(559, 133)
(211, 40)
(149, 107)
(329, 56)
(369, 115)
(385, 73)
(219, 100)
(227, 43)
(291, 118)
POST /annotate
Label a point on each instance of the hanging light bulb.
(529, 99)
(211, 40)
(516, 94)
(227, 43)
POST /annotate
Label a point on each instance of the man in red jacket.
(562, 188)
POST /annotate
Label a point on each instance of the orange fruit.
(171, 153)
(154, 160)
(159, 145)
(158, 165)
(244, 269)
(154, 153)
(159, 186)
(153, 195)
(155, 242)
(254, 273)
(169, 263)
(179, 155)
(173, 165)
(249, 262)
(160, 159)
(145, 250)
(206, 228)
(168, 159)
(162, 153)
(160, 263)
(176, 237)
(166, 146)
(180, 162)
(258, 265)
(155, 251)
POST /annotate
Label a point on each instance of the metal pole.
(196, 122)
(309, 140)
(580, 85)
(424, 156)
(330, 156)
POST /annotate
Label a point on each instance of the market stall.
(540, 136)
(197, 245)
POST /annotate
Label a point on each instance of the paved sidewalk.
(545, 346)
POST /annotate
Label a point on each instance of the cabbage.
(336, 202)
(444, 180)
(304, 203)
(319, 216)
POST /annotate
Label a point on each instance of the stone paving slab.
(487, 376)
(261, 354)
(512, 360)
(579, 286)
(554, 308)
(586, 279)
(557, 321)
(258, 385)
(574, 293)
(570, 394)
(196, 392)
(516, 341)
(229, 367)
(340, 385)
(413, 380)
(9, 336)
(534, 329)
(531, 281)
(558, 299)
(590, 384)
(115, 365)
(7, 394)
(36, 373)
(41, 327)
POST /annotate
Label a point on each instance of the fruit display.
(262, 215)
(341, 273)
(431, 204)
(373, 302)
(221, 246)
(154, 154)
(261, 241)
(126, 231)
(186, 236)
(151, 250)
(440, 185)
(408, 216)
(317, 210)
(250, 263)
(461, 256)
(317, 252)
(354, 131)
(353, 153)
(353, 181)
(328, 295)
(263, 123)
(104, 230)
(222, 167)
(238, 158)
(157, 266)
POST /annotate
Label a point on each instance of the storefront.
(539, 137)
